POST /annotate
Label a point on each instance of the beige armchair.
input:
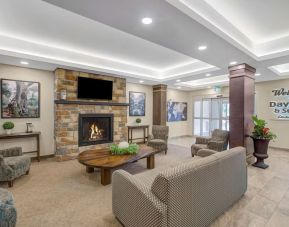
(218, 142)
(159, 138)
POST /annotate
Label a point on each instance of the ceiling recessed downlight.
(178, 80)
(141, 81)
(147, 20)
(208, 74)
(202, 47)
(233, 63)
(258, 74)
(24, 63)
(179, 87)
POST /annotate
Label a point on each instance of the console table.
(145, 129)
(24, 135)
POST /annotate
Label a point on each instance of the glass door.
(210, 114)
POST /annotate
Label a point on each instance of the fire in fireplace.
(95, 129)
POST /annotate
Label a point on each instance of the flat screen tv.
(94, 89)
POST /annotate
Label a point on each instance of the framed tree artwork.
(137, 102)
(20, 99)
(177, 111)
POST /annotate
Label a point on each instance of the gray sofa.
(13, 164)
(191, 194)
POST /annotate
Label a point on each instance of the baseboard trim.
(279, 148)
(173, 137)
(43, 157)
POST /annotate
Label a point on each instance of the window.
(210, 114)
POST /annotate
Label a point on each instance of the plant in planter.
(124, 148)
(261, 137)
(138, 120)
(8, 126)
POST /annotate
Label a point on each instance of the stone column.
(160, 104)
(242, 97)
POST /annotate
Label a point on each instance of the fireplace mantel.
(78, 102)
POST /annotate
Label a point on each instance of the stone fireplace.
(95, 129)
(102, 122)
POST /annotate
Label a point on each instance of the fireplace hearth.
(95, 129)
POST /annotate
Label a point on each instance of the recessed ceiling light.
(209, 87)
(258, 74)
(147, 20)
(202, 47)
(178, 80)
(233, 63)
(141, 81)
(179, 87)
(208, 74)
(24, 63)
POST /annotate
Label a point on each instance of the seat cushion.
(17, 162)
(160, 141)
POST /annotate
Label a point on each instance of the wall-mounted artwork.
(177, 111)
(20, 99)
(137, 102)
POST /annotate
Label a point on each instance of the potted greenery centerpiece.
(138, 120)
(124, 148)
(8, 126)
(261, 137)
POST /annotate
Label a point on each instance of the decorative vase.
(260, 152)
(8, 131)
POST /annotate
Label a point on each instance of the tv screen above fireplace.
(89, 88)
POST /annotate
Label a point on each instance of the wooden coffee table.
(102, 159)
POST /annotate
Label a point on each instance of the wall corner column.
(242, 98)
(160, 104)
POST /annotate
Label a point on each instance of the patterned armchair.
(13, 164)
(159, 138)
(8, 214)
(218, 142)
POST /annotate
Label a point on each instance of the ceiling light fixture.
(208, 74)
(179, 87)
(141, 81)
(202, 47)
(24, 63)
(147, 20)
(233, 63)
(178, 80)
(258, 74)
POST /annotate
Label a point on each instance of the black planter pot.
(260, 152)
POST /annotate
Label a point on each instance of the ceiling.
(107, 36)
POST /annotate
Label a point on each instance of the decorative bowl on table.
(124, 148)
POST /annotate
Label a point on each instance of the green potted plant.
(8, 126)
(261, 137)
(138, 120)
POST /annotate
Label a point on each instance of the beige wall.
(180, 128)
(45, 123)
(148, 118)
(263, 97)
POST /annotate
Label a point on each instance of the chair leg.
(166, 150)
(193, 154)
(10, 184)
(27, 172)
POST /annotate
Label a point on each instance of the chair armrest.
(216, 145)
(10, 152)
(1, 160)
(151, 137)
(133, 203)
(202, 140)
(205, 152)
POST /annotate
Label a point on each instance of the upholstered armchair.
(218, 142)
(13, 164)
(159, 138)
(8, 214)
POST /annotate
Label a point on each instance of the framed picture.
(177, 111)
(20, 99)
(137, 102)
